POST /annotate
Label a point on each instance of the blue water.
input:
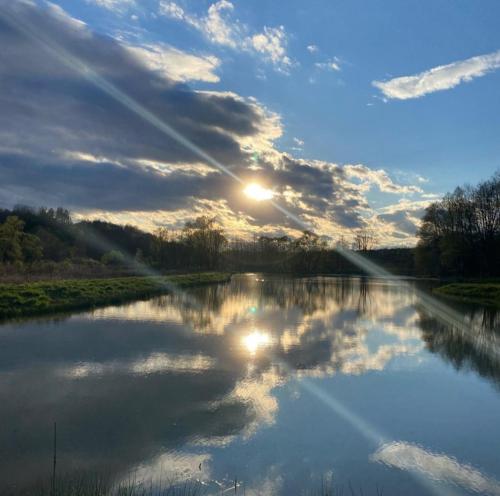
(284, 384)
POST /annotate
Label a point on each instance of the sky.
(354, 114)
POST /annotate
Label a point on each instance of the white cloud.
(176, 64)
(114, 5)
(271, 43)
(439, 78)
(298, 142)
(329, 65)
(380, 178)
(214, 26)
(312, 48)
(172, 10)
(219, 29)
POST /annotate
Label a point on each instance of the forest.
(460, 234)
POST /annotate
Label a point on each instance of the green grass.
(487, 293)
(17, 300)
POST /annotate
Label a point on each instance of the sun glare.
(257, 339)
(257, 192)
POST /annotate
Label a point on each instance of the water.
(281, 383)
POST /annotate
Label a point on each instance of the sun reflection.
(257, 192)
(256, 340)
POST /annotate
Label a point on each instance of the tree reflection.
(478, 351)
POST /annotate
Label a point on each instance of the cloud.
(74, 145)
(439, 78)
(380, 178)
(329, 65)
(401, 221)
(218, 28)
(214, 25)
(176, 64)
(312, 48)
(114, 5)
(272, 44)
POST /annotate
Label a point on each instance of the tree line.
(460, 234)
(32, 239)
(459, 237)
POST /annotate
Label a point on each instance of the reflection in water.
(437, 467)
(168, 387)
(152, 364)
(255, 341)
(478, 351)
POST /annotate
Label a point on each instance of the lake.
(283, 383)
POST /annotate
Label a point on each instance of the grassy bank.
(486, 293)
(37, 298)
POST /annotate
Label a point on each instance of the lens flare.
(257, 192)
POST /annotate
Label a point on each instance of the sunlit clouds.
(74, 153)
(176, 64)
(257, 192)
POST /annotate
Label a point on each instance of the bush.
(113, 257)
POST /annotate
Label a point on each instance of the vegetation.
(42, 297)
(459, 238)
(488, 293)
(29, 237)
(460, 235)
(95, 485)
(47, 244)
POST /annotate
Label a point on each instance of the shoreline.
(485, 293)
(46, 297)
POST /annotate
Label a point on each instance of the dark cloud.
(105, 185)
(48, 106)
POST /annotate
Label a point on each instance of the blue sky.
(328, 76)
(444, 136)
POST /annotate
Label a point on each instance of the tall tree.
(206, 241)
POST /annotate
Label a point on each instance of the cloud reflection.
(437, 467)
(129, 383)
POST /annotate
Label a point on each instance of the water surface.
(279, 382)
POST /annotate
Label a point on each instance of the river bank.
(19, 300)
(485, 293)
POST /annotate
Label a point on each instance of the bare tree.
(364, 240)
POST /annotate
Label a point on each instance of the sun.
(257, 192)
